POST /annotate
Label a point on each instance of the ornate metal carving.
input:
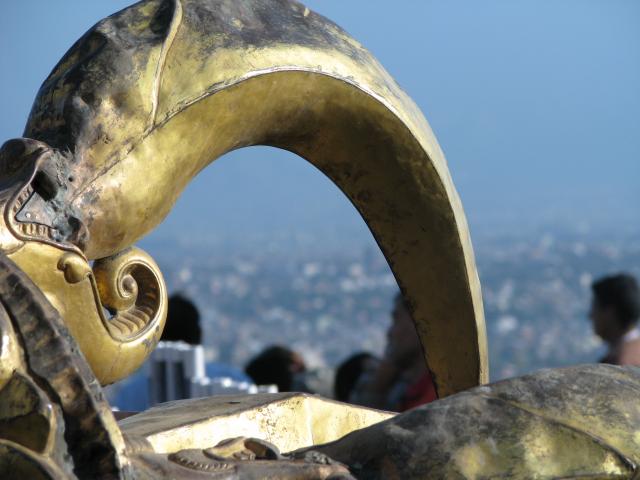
(128, 284)
(117, 131)
(56, 422)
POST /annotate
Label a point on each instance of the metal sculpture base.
(204, 422)
(577, 422)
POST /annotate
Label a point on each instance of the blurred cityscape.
(328, 299)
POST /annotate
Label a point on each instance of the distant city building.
(177, 370)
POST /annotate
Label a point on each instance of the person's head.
(349, 372)
(275, 366)
(615, 307)
(183, 321)
(403, 344)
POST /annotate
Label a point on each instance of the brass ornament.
(117, 131)
(289, 420)
(56, 421)
(128, 285)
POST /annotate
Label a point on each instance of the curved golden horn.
(129, 286)
(132, 289)
(153, 94)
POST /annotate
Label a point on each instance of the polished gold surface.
(11, 355)
(130, 282)
(130, 285)
(288, 420)
(183, 82)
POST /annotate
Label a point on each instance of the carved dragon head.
(153, 94)
(114, 308)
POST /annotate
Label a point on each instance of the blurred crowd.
(398, 380)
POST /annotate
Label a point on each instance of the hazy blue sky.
(536, 104)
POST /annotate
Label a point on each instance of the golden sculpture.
(120, 131)
(116, 132)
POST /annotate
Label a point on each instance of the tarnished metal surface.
(247, 458)
(53, 417)
(153, 94)
(129, 283)
(580, 422)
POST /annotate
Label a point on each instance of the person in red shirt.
(401, 380)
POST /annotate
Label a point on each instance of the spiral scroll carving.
(132, 289)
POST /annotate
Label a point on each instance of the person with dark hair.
(183, 321)
(402, 379)
(350, 372)
(615, 310)
(279, 366)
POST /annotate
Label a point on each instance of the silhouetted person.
(276, 366)
(615, 310)
(402, 380)
(350, 372)
(183, 321)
